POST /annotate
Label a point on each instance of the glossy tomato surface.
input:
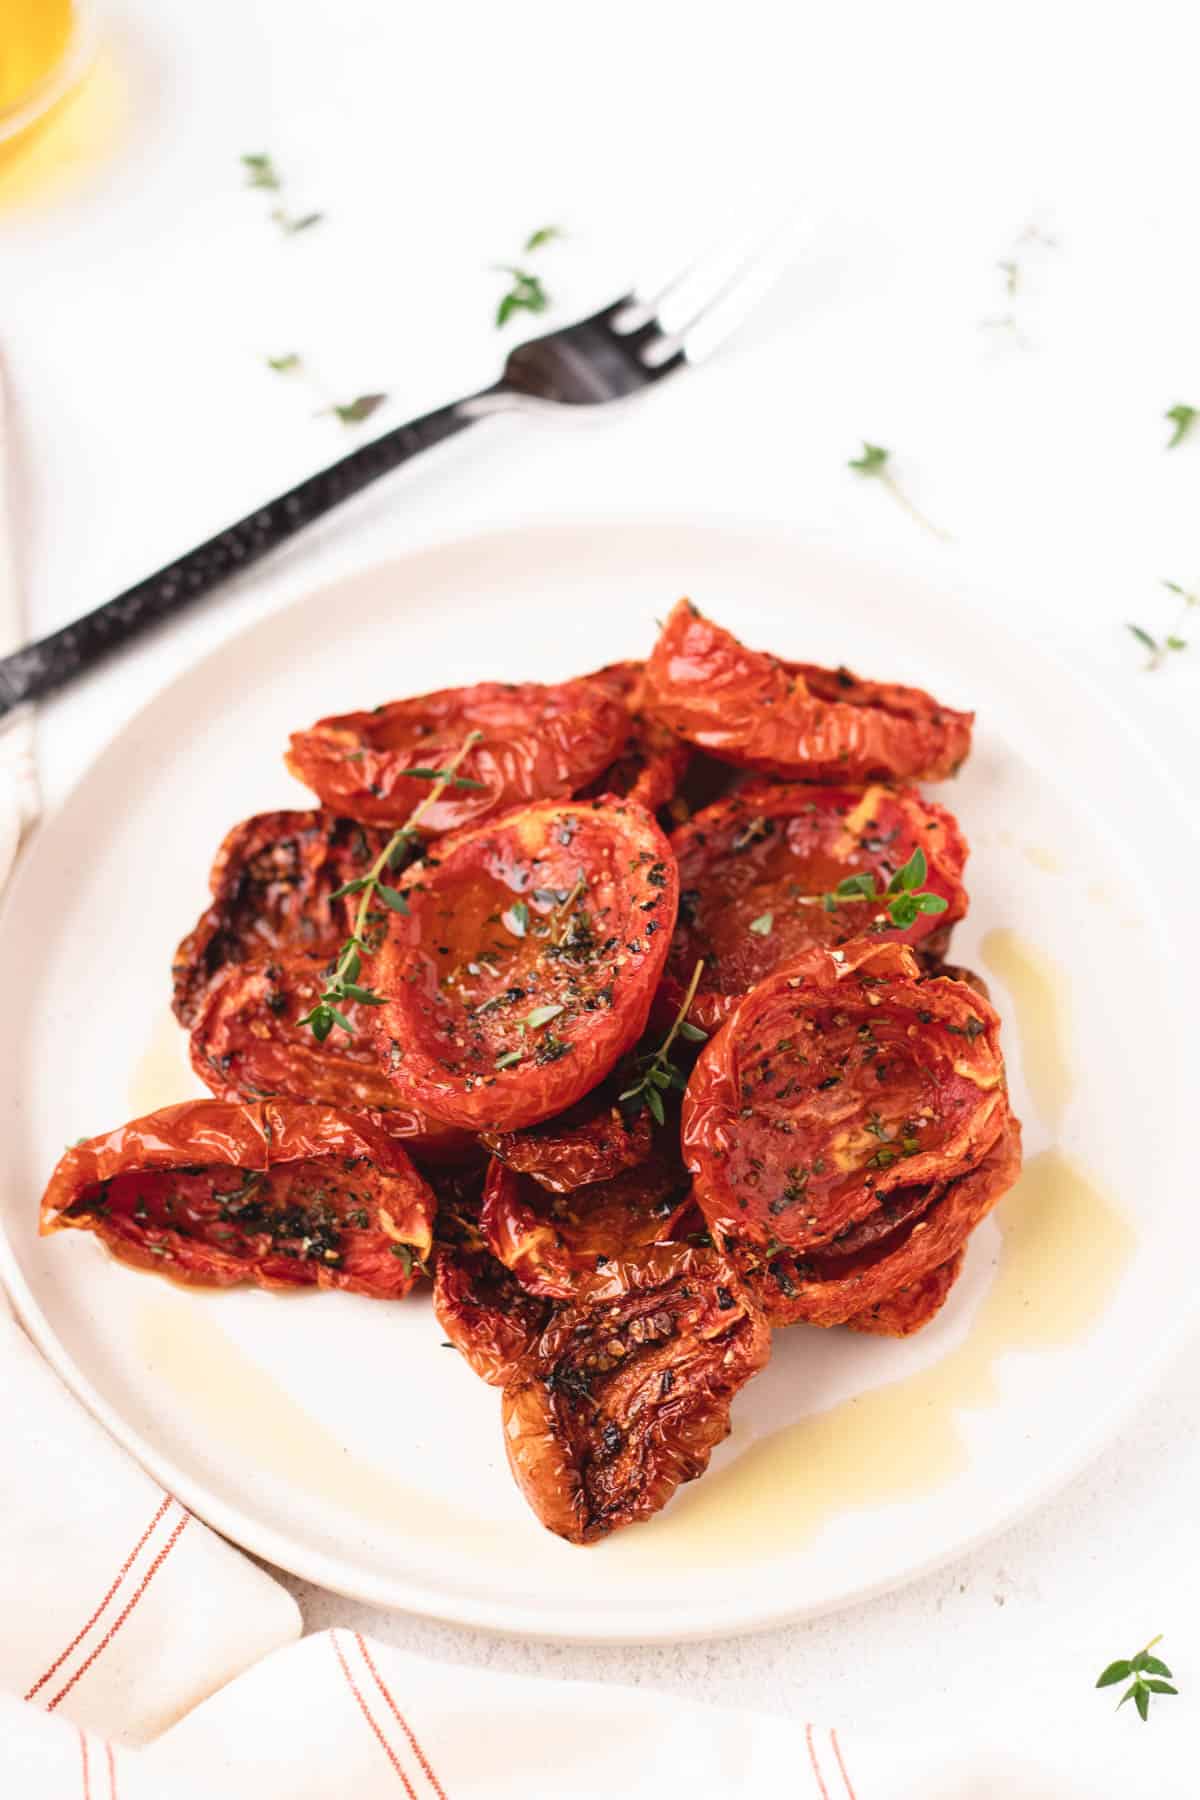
(537, 743)
(911, 1307)
(553, 1241)
(487, 1315)
(526, 962)
(272, 885)
(628, 1390)
(840, 1078)
(592, 1141)
(758, 873)
(278, 1194)
(247, 1043)
(837, 1285)
(793, 719)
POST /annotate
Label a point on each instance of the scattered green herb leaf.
(458, 781)
(903, 899)
(546, 234)
(874, 462)
(1173, 640)
(541, 1015)
(516, 919)
(1150, 1676)
(508, 1059)
(283, 365)
(526, 294)
(261, 172)
(291, 223)
(761, 927)
(1182, 418)
(355, 411)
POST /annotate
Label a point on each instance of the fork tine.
(731, 301)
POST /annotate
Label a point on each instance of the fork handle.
(41, 667)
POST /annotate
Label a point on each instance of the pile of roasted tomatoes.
(641, 1046)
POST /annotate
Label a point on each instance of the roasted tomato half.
(272, 885)
(592, 1141)
(247, 1043)
(538, 743)
(913, 1306)
(756, 868)
(485, 1313)
(551, 1241)
(526, 963)
(628, 1390)
(280, 1194)
(839, 1079)
(842, 1282)
(794, 719)
(652, 761)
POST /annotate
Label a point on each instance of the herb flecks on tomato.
(537, 742)
(795, 719)
(628, 1390)
(279, 1194)
(526, 962)
(840, 1078)
(552, 1241)
(758, 874)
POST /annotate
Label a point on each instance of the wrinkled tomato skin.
(824, 1288)
(592, 1141)
(278, 1194)
(538, 743)
(910, 1308)
(552, 1242)
(628, 1390)
(793, 719)
(247, 1043)
(485, 1312)
(770, 853)
(652, 761)
(839, 1079)
(526, 962)
(272, 884)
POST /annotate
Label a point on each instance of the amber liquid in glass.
(34, 38)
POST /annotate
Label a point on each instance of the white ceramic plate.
(334, 1435)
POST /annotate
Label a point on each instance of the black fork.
(614, 353)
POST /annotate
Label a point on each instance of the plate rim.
(716, 1618)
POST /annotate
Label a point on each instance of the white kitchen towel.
(118, 1610)
(341, 1717)
(19, 800)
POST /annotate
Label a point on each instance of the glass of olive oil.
(43, 49)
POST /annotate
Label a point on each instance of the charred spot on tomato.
(794, 719)
(281, 1195)
(538, 742)
(628, 1390)
(826, 1091)
(552, 1241)
(759, 874)
(510, 981)
(485, 1313)
(273, 884)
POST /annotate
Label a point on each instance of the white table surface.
(141, 287)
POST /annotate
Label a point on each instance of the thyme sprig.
(658, 1073)
(1150, 1676)
(262, 172)
(874, 462)
(903, 898)
(343, 984)
(1160, 648)
(1181, 418)
(527, 292)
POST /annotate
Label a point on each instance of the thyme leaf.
(1150, 1676)
(657, 1070)
(874, 462)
